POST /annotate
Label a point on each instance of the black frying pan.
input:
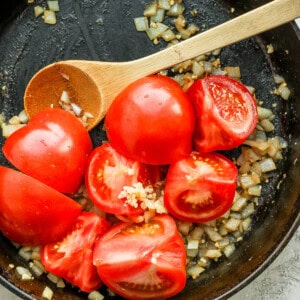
(103, 30)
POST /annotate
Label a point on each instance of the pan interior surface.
(96, 30)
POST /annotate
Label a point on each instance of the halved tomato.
(225, 110)
(142, 261)
(201, 187)
(108, 172)
(32, 213)
(72, 257)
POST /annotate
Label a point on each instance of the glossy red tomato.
(108, 172)
(52, 148)
(226, 113)
(201, 187)
(142, 261)
(32, 213)
(72, 257)
(151, 121)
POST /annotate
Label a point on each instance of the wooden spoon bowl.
(93, 85)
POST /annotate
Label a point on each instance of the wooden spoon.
(94, 84)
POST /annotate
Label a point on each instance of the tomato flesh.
(151, 121)
(226, 113)
(72, 258)
(31, 213)
(52, 148)
(108, 172)
(201, 187)
(142, 261)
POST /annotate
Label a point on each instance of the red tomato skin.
(72, 257)
(52, 148)
(133, 263)
(151, 121)
(208, 175)
(214, 128)
(108, 172)
(31, 213)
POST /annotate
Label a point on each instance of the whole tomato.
(151, 121)
(52, 148)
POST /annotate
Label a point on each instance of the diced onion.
(157, 31)
(195, 270)
(49, 17)
(76, 109)
(228, 250)
(53, 5)
(176, 10)
(141, 23)
(47, 293)
(232, 224)
(267, 165)
(151, 9)
(95, 295)
(38, 10)
(159, 16)
(7, 130)
(23, 117)
(164, 4)
(24, 273)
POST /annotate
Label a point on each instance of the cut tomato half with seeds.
(72, 257)
(201, 187)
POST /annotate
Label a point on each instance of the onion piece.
(38, 10)
(151, 9)
(159, 17)
(53, 5)
(95, 295)
(267, 165)
(141, 23)
(164, 4)
(228, 250)
(76, 109)
(49, 17)
(23, 117)
(8, 129)
(156, 31)
(194, 271)
(47, 293)
(176, 9)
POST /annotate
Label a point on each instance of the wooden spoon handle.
(261, 19)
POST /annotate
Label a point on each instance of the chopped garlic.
(146, 197)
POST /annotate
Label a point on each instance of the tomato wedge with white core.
(108, 172)
(201, 187)
(32, 213)
(53, 148)
(72, 257)
(151, 121)
(226, 113)
(142, 261)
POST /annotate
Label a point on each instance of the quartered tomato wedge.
(108, 172)
(142, 261)
(201, 187)
(225, 110)
(72, 257)
(32, 213)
